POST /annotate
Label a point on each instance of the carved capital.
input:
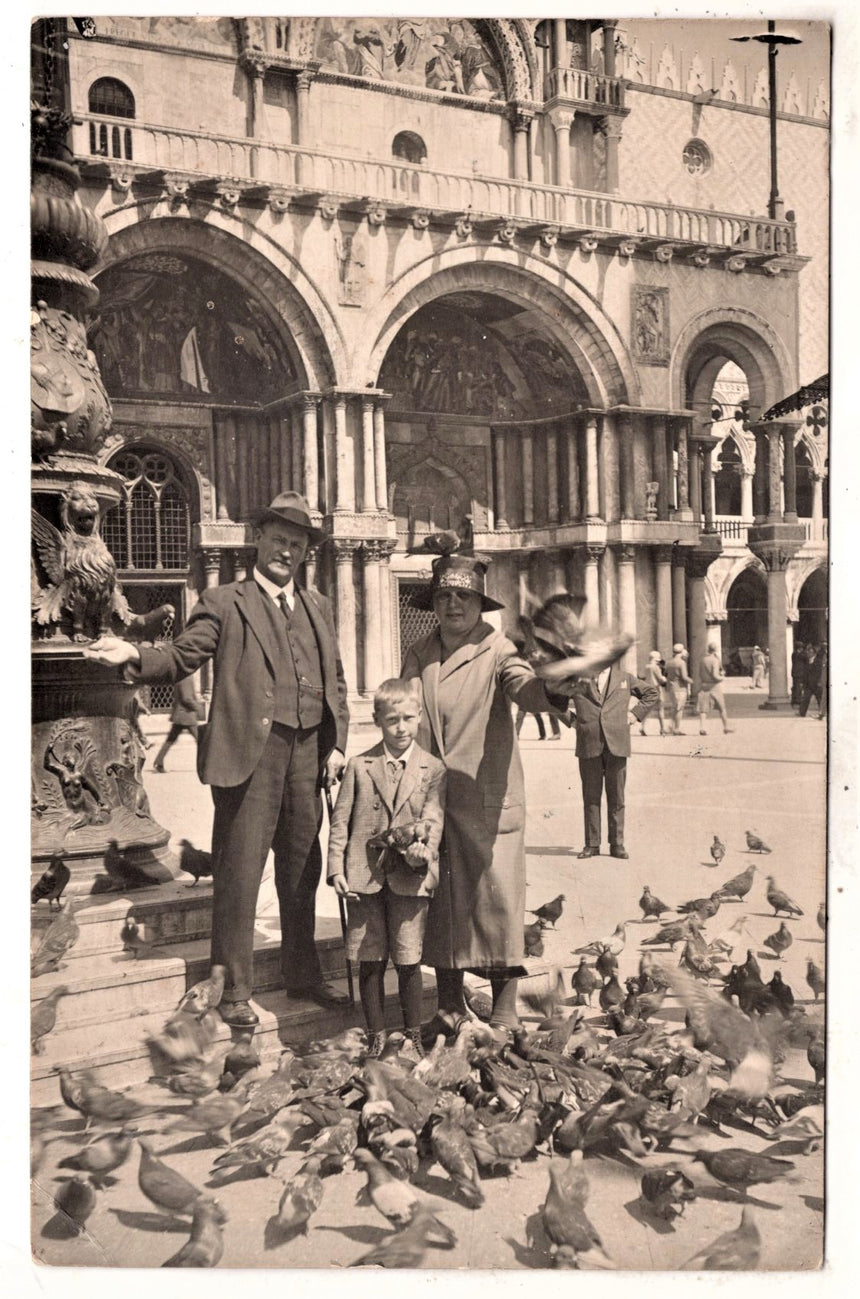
(328, 206)
(420, 219)
(376, 214)
(507, 231)
(212, 560)
(561, 120)
(627, 247)
(736, 264)
(701, 259)
(626, 554)
(772, 268)
(664, 252)
(611, 126)
(593, 551)
(378, 550)
(229, 191)
(463, 226)
(310, 400)
(663, 554)
(121, 177)
(549, 236)
(279, 199)
(588, 243)
(344, 548)
(176, 188)
(521, 117)
(255, 63)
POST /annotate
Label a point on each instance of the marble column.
(698, 562)
(380, 472)
(240, 565)
(211, 567)
(368, 457)
(760, 480)
(552, 475)
(371, 555)
(611, 129)
(592, 583)
(573, 508)
(679, 601)
(345, 455)
(684, 510)
(344, 550)
(628, 468)
(779, 695)
(560, 47)
(592, 501)
(311, 557)
(610, 502)
(747, 495)
(527, 450)
(696, 481)
(774, 475)
(303, 90)
(661, 469)
(627, 600)
(222, 467)
(663, 582)
(329, 470)
(817, 507)
(501, 500)
(561, 124)
(310, 453)
(789, 475)
(521, 120)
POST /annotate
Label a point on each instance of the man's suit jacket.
(229, 625)
(365, 808)
(603, 724)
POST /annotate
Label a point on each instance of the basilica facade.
(505, 277)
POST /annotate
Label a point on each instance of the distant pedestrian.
(679, 683)
(711, 676)
(798, 672)
(537, 656)
(185, 715)
(759, 667)
(654, 676)
(814, 679)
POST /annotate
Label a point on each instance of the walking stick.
(341, 906)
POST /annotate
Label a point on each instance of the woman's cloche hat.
(289, 507)
(457, 573)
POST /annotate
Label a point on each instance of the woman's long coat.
(476, 916)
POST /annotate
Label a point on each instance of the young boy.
(395, 786)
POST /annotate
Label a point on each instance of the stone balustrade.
(583, 86)
(282, 172)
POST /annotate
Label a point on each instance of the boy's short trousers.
(713, 695)
(385, 924)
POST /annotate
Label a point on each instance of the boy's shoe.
(412, 1048)
(377, 1045)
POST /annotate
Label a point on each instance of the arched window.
(110, 98)
(409, 147)
(150, 528)
(727, 479)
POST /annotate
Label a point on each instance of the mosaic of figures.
(175, 325)
(437, 53)
(446, 360)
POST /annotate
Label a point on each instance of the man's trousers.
(277, 807)
(609, 772)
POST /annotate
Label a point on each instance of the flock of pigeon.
(567, 1089)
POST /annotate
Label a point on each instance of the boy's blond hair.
(393, 691)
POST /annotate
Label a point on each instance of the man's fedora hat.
(289, 507)
(457, 573)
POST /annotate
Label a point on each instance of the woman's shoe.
(377, 1045)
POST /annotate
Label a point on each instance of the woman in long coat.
(470, 675)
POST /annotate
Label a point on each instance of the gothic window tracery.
(150, 528)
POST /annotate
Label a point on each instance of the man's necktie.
(395, 771)
(285, 606)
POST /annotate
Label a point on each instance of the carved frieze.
(650, 324)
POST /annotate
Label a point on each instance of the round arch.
(797, 575)
(746, 617)
(577, 323)
(742, 336)
(294, 305)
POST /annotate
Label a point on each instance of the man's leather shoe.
(618, 851)
(589, 852)
(322, 993)
(238, 1014)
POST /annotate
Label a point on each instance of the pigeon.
(815, 978)
(751, 966)
(584, 981)
(453, 1151)
(101, 1157)
(194, 861)
(197, 1080)
(479, 1003)
(570, 649)
(264, 1149)
(741, 1169)
(394, 1199)
(336, 1142)
(780, 941)
(550, 912)
(241, 1059)
(406, 1248)
(43, 1017)
(132, 941)
(611, 994)
(205, 1245)
(162, 1185)
(780, 901)
(821, 917)
(733, 1251)
(667, 1191)
(185, 1039)
(76, 1199)
(718, 850)
(721, 1029)
(695, 958)
(57, 941)
(691, 1092)
(204, 995)
(51, 884)
(71, 1089)
(729, 941)
(739, 885)
(677, 932)
(703, 907)
(504, 1144)
(651, 906)
(121, 871)
(815, 1054)
(565, 1221)
(755, 844)
(606, 964)
(781, 992)
(532, 940)
(97, 1102)
(213, 1115)
(302, 1196)
(807, 1126)
(613, 942)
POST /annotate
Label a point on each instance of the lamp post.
(771, 40)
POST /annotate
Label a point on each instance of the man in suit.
(277, 729)
(605, 708)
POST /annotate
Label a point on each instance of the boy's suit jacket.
(365, 808)
(602, 724)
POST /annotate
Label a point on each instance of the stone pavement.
(768, 776)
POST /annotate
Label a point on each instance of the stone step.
(172, 912)
(117, 1054)
(104, 986)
